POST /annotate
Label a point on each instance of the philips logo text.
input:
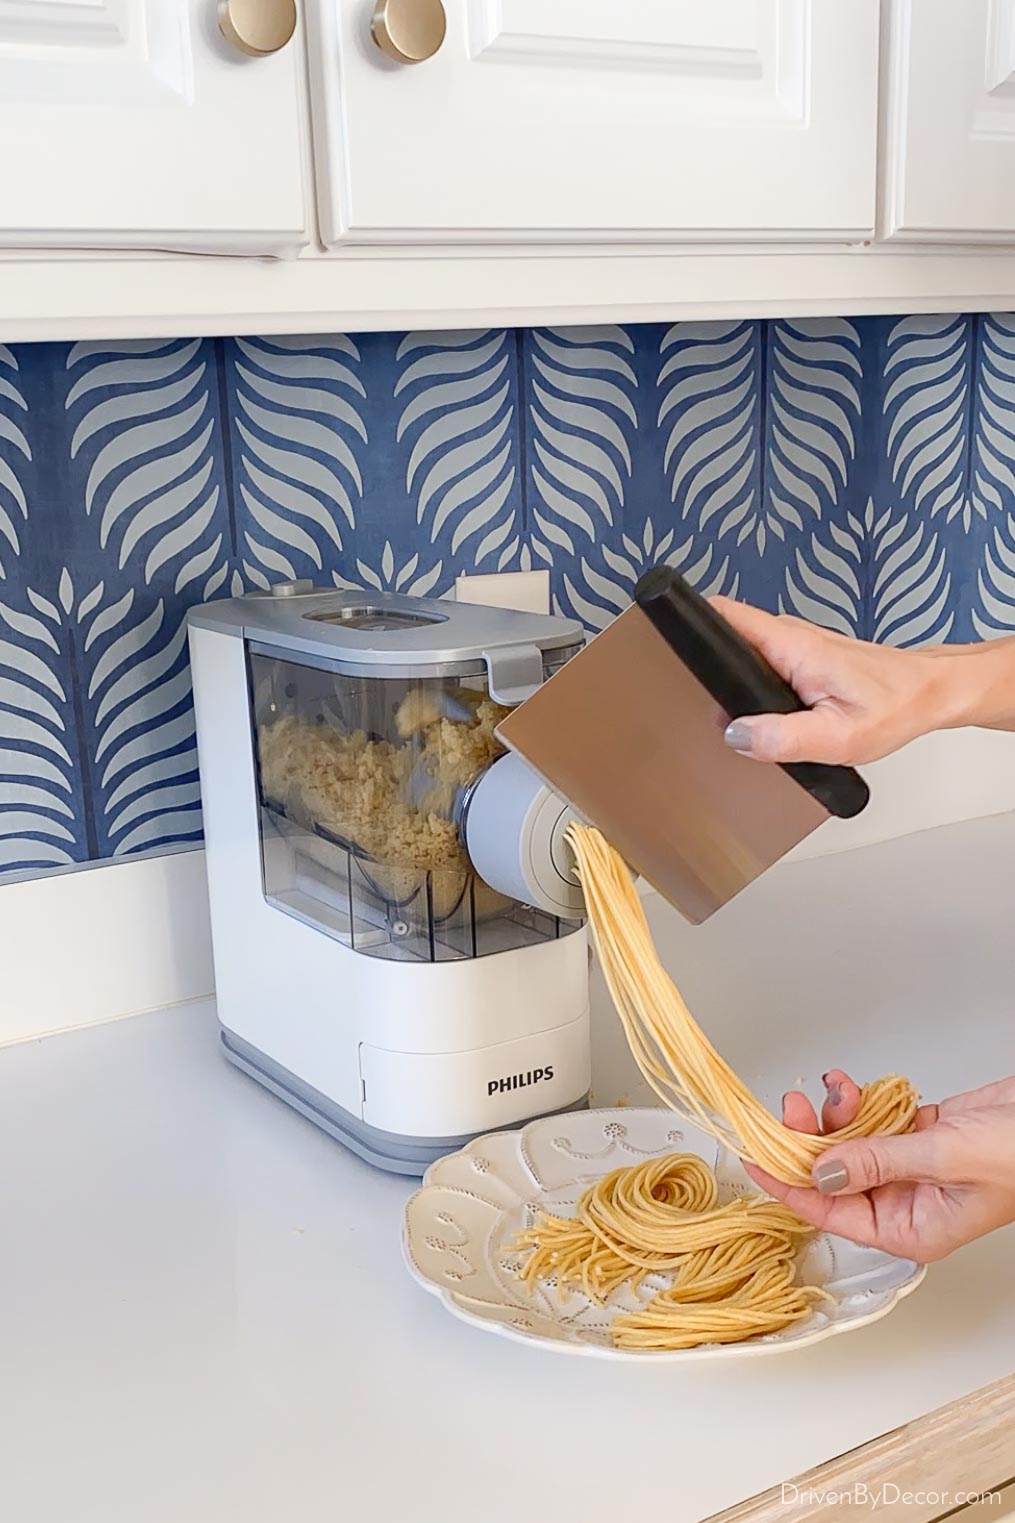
(519, 1081)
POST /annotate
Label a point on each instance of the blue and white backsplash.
(859, 473)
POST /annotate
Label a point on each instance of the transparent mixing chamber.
(362, 785)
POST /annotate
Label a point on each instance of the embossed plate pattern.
(459, 1227)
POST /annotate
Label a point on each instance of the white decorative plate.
(459, 1227)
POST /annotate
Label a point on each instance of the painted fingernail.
(834, 1094)
(830, 1177)
(738, 736)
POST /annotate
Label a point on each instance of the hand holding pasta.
(675, 1056)
(921, 1195)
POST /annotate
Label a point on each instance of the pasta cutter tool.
(630, 733)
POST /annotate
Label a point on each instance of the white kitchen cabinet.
(552, 121)
(553, 161)
(136, 124)
(948, 161)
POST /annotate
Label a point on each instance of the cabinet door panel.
(133, 123)
(949, 151)
(570, 120)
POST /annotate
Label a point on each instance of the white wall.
(953, 775)
(101, 942)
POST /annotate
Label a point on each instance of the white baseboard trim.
(89, 946)
(79, 948)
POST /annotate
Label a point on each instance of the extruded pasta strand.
(766, 1302)
(732, 1266)
(673, 1053)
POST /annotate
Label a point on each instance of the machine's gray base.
(386, 1150)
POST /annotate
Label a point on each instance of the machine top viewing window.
(375, 618)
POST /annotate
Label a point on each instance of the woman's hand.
(921, 1195)
(864, 700)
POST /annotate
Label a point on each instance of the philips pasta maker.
(398, 936)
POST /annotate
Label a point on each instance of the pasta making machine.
(398, 937)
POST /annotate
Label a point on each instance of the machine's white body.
(400, 1059)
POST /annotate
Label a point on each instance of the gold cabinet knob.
(257, 27)
(409, 31)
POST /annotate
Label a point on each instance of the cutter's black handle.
(738, 677)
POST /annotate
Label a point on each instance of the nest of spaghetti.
(731, 1267)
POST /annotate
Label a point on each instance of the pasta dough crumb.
(356, 787)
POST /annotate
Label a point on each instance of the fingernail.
(830, 1177)
(824, 1080)
(738, 736)
(834, 1094)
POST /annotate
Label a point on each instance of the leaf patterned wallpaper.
(859, 473)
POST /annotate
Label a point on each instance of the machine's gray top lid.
(383, 633)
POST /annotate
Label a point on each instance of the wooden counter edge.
(967, 1447)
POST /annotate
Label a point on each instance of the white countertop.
(204, 1314)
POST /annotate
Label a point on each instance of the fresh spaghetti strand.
(673, 1053)
(766, 1302)
(654, 1218)
(730, 1265)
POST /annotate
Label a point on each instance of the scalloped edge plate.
(459, 1223)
